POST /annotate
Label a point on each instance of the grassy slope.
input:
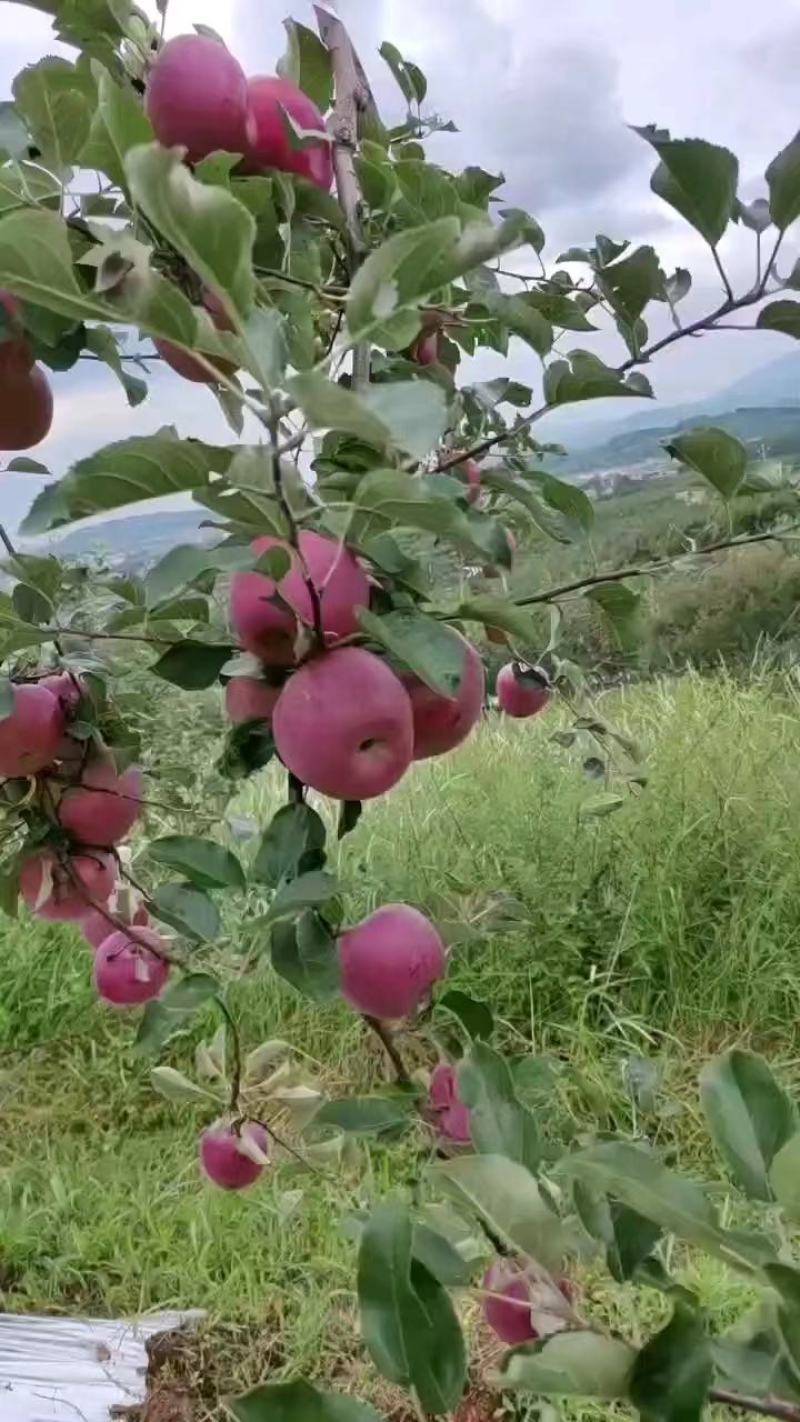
(665, 928)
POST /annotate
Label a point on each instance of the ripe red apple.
(184, 362)
(268, 142)
(390, 962)
(249, 699)
(268, 627)
(129, 971)
(425, 350)
(523, 1299)
(48, 887)
(343, 725)
(522, 691)
(197, 97)
(96, 928)
(224, 1154)
(67, 688)
(31, 734)
(442, 722)
(26, 404)
(105, 806)
(452, 1116)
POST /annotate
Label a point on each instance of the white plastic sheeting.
(75, 1369)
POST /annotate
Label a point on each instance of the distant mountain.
(775, 431)
(135, 541)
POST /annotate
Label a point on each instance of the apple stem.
(352, 95)
(387, 1041)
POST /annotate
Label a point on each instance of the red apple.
(31, 734)
(472, 475)
(26, 404)
(197, 97)
(14, 349)
(224, 1154)
(130, 970)
(249, 699)
(391, 961)
(96, 927)
(425, 350)
(442, 722)
(452, 1116)
(265, 613)
(522, 691)
(269, 144)
(105, 806)
(184, 362)
(524, 1302)
(343, 725)
(48, 886)
(67, 688)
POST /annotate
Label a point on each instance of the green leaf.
(435, 653)
(401, 274)
(497, 612)
(712, 452)
(622, 607)
(298, 1401)
(187, 910)
(783, 316)
(207, 865)
(308, 63)
(574, 506)
(54, 100)
(559, 310)
(506, 1196)
(628, 285)
(627, 1237)
(292, 844)
(636, 1178)
(585, 377)
(784, 1177)
(576, 1364)
(303, 951)
(23, 465)
(783, 177)
(499, 1123)
(750, 1117)
(407, 1320)
(475, 1017)
(102, 342)
(754, 1365)
(367, 1115)
(434, 502)
(175, 1086)
(265, 338)
(174, 1010)
(118, 124)
(187, 562)
(521, 319)
(411, 81)
(192, 665)
(308, 891)
(698, 179)
(440, 1257)
(530, 231)
(14, 137)
(410, 415)
(673, 1372)
(207, 225)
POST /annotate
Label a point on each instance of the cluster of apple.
(82, 808)
(26, 400)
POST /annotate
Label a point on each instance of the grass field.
(663, 930)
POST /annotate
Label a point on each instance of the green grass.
(666, 929)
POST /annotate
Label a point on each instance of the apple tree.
(270, 239)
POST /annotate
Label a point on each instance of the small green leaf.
(174, 1010)
(103, 343)
(187, 910)
(308, 891)
(783, 177)
(506, 1196)
(367, 1115)
(521, 319)
(475, 1017)
(308, 63)
(14, 137)
(627, 1237)
(192, 665)
(410, 80)
(755, 215)
(499, 1124)
(407, 1320)
(629, 284)
(712, 452)
(175, 1086)
(54, 97)
(783, 316)
(206, 864)
(698, 179)
(750, 1117)
(784, 1177)
(601, 805)
(673, 1372)
(292, 844)
(497, 612)
(207, 225)
(575, 1364)
(303, 951)
(118, 124)
(440, 1256)
(622, 607)
(23, 465)
(407, 415)
(298, 1401)
(585, 377)
(427, 647)
(265, 339)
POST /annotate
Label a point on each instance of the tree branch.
(384, 1035)
(352, 96)
(763, 1406)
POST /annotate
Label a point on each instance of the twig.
(235, 1053)
(352, 95)
(384, 1035)
(6, 542)
(129, 637)
(722, 272)
(763, 1406)
(294, 535)
(284, 1144)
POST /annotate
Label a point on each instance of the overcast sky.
(542, 93)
